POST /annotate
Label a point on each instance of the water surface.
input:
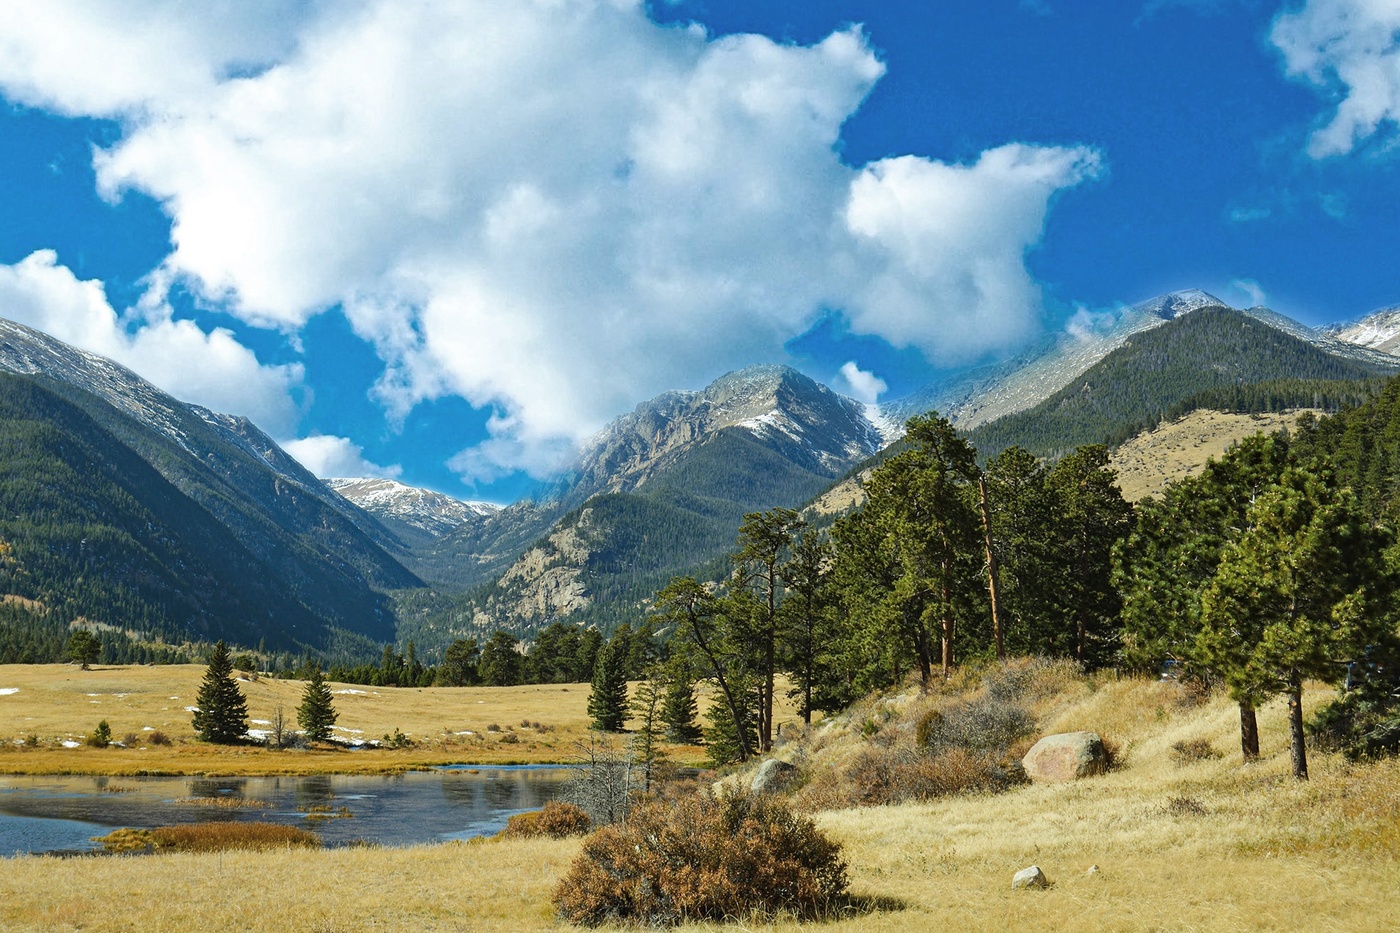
(60, 814)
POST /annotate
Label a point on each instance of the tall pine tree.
(221, 714)
(607, 701)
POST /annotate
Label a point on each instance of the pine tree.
(317, 712)
(607, 701)
(84, 648)
(221, 714)
(646, 744)
(678, 711)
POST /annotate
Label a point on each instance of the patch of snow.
(6, 691)
(94, 694)
(69, 743)
(468, 732)
(258, 734)
(261, 722)
(355, 692)
(191, 709)
(148, 729)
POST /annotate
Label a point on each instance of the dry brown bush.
(877, 777)
(557, 820)
(737, 856)
(1188, 751)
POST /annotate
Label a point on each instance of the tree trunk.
(1249, 731)
(1295, 729)
(947, 623)
(998, 631)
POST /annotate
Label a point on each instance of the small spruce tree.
(607, 701)
(678, 711)
(317, 712)
(221, 713)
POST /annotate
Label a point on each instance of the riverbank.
(48, 710)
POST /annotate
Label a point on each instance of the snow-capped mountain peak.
(433, 513)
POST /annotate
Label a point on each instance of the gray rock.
(1066, 757)
(772, 776)
(1031, 877)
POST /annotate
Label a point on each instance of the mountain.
(990, 392)
(414, 514)
(660, 491)
(314, 548)
(1379, 331)
(1215, 357)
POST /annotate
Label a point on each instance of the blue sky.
(448, 241)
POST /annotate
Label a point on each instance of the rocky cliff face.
(409, 510)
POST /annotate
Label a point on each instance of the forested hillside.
(1211, 358)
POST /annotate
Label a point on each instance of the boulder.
(772, 776)
(1066, 757)
(1031, 877)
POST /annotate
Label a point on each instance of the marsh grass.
(208, 837)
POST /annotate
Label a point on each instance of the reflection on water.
(56, 814)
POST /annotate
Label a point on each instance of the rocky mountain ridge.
(410, 510)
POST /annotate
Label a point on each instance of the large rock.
(773, 775)
(1066, 757)
(1031, 877)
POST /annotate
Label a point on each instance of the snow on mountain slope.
(1379, 331)
(431, 512)
(804, 421)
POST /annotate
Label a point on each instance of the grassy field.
(1178, 449)
(58, 703)
(1249, 849)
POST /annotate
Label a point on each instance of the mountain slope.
(1379, 331)
(414, 515)
(328, 555)
(91, 530)
(662, 491)
(1210, 355)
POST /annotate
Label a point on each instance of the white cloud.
(211, 369)
(944, 246)
(1351, 49)
(864, 387)
(328, 456)
(551, 207)
(1252, 291)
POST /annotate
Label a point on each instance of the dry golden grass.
(59, 702)
(1257, 852)
(1174, 451)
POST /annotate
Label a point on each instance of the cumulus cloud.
(864, 387)
(1350, 49)
(549, 207)
(212, 369)
(328, 456)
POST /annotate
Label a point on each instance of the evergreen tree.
(765, 539)
(221, 714)
(84, 648)
(809, 627)
(646, 708)
(459, 663)
(728, 739)
(678, 710)
(501, 665)
(1093, 517)
(317, 712)
(607, 701)
(1304, 589)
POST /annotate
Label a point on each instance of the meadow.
(1197, 845)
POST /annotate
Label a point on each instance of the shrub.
(1188, 751)
(101, 737)
(986, 725)
(704, 858)
(1032, 680)
(877, 777)
(558, 820)
(131, 740)
(158, 738)
(1185, 806)
(1361, 724)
